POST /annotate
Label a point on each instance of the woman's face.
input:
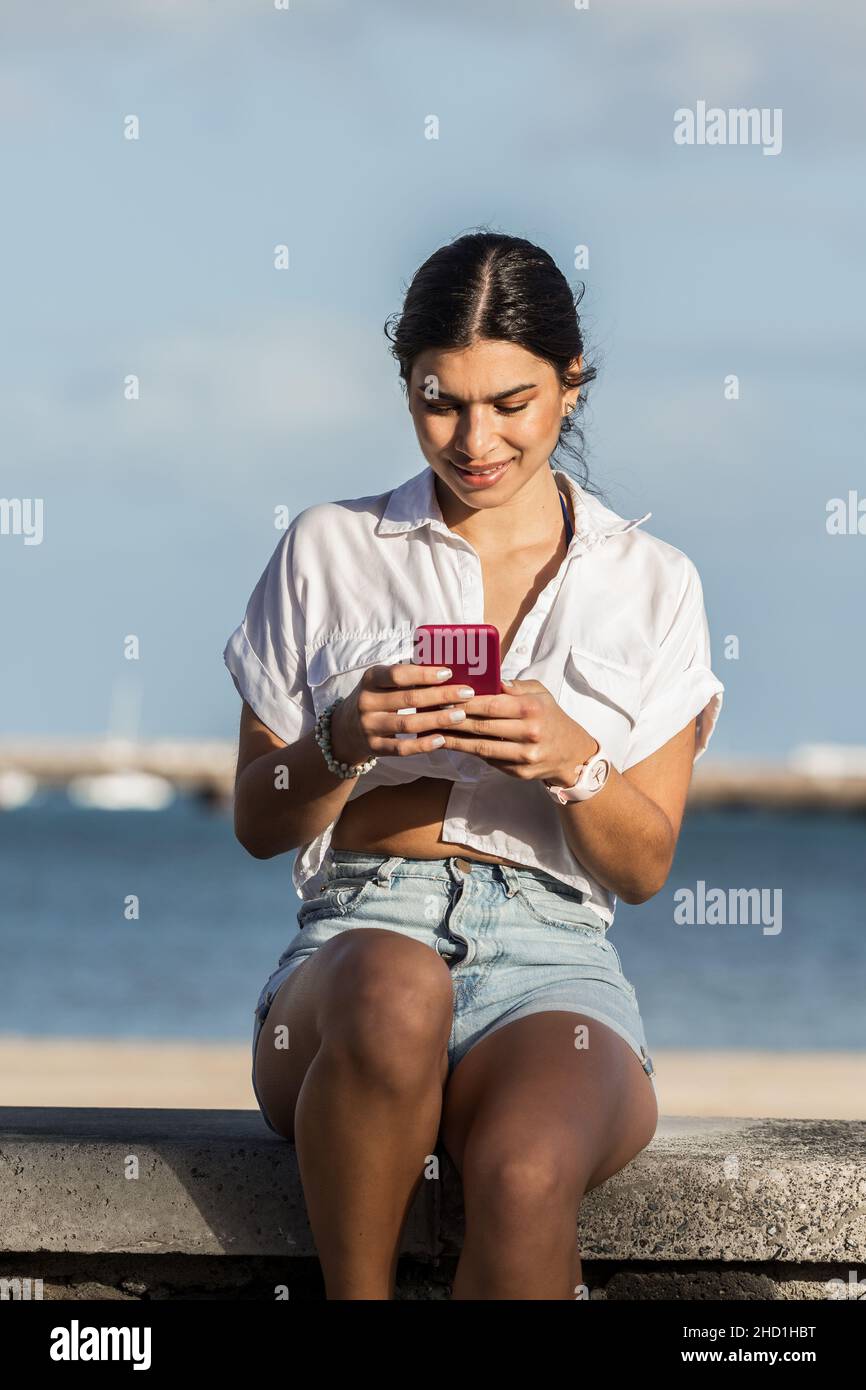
(490, 404)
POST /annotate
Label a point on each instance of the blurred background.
(170, 381)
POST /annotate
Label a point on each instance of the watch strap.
(591, 777)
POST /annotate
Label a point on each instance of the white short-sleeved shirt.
(619, 637)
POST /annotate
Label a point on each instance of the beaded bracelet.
(323, 739)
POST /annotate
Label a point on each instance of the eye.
(502, 409)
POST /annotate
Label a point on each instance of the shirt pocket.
(603, 696)
(335, 667)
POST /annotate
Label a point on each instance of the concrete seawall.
(208, 1203)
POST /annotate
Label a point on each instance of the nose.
(475, 436)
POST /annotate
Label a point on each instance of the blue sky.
(261, 388)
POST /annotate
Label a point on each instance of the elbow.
(254, 844)
(636, 893)
(253, 830)
(257, 851)
(635, 896)
(650, 882)
(261, 845)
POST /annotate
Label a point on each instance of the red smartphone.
(470, 649)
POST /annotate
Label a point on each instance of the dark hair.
(486, 285)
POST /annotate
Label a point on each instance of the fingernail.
(456, 715)
(466, 692)
(505, 682)
(443, 674)
(437, 741)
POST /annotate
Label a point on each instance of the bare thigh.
(525, 1094)
(341, 981)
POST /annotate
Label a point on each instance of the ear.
(575, 367)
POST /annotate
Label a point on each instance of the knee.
(519, 1184)
(389, 1007)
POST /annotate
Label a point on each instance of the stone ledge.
(152, 1278)
(219, 1182)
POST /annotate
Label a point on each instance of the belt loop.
(386, 869)
(512, 882)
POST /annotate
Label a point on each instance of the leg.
(532, 1123)
(359, 1090)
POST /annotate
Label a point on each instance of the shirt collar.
(414, 503)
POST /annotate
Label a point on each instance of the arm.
(285, 795)
(626, 835)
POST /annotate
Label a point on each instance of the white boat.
(16, 788)
(124, 788)
(121, 791)
(829, 759)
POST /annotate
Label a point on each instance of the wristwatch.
(591, 777)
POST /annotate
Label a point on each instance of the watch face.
(598, 773)
(591, 778)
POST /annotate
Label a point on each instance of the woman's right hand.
(366, 723)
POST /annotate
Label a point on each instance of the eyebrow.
(500, 395)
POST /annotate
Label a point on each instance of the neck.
(532, 517)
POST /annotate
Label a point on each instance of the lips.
(479, 477)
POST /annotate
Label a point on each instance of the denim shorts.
(517, 941)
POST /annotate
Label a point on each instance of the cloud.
(50, 22)
(207, 396)
(605, 75)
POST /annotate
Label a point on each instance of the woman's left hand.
(524, 733)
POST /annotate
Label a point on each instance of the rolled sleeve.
(680, 684)
(265, 654)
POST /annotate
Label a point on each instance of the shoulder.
(663, 584)
(635, 559)
(322, 528)
(670, 570)
(655, 565)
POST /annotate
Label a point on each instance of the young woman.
(452, 975)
